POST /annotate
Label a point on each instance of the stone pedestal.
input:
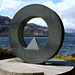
(16, 66)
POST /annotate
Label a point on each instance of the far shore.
(27, 36)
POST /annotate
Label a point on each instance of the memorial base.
(15, 66)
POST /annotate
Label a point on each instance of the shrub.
(73, 55)
(5, 54)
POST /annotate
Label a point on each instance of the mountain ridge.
(30, 28)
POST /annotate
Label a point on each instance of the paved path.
(16, 67)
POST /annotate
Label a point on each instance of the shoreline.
(70, 58)
(7, 54)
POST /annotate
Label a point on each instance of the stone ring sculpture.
(29, 53)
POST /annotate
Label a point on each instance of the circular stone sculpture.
(34, 53)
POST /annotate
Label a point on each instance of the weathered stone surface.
(55, 38)
(16, 67)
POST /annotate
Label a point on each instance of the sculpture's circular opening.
(38, 29)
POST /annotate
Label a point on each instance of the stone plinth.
(16, 67)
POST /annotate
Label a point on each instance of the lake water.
(68, 47)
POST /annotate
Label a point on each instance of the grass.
(70, 58)
(5, 54)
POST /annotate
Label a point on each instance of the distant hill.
(70, 30)
(4, 25)
(35, 30)
(30, 29)
(4, 20)
(32, 25)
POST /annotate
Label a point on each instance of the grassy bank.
(5, 54)
(70, 58)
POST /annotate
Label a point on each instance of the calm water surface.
(67, 49)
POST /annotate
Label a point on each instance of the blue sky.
(56, 1)
(64, 8)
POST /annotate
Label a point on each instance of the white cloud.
(49, 4)
(1, 1)
(65, 9)
(68, 24)
(9, 4)
(12, 4)
(68, 14)
(38, 21)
